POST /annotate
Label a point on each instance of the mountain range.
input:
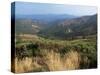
(57, 26)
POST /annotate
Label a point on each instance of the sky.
(28, 8)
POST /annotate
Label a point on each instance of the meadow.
(38, 54)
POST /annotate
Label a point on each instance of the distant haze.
(28, 8)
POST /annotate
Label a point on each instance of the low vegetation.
(36, 54)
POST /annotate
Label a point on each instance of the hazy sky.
(27, 8)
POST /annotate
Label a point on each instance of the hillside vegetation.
(36, 54)
(55, 43)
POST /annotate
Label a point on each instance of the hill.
(77, 27)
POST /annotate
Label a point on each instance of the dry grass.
(51, 61)
(26, 65)
(54, 61)
(72, 60)
(69, 61)
(23, 65)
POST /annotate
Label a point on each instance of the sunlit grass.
(56, 55)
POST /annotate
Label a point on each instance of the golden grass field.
(52, 62)
(56, 55)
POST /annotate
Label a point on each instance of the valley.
(56, 45)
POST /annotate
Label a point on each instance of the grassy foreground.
(36, 54)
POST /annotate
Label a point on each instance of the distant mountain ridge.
(82, 26)
(46, 17)
(24, 23)
(57, 27)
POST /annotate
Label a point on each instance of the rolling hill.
(60, 26)
(28, 23)
(82, 26)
